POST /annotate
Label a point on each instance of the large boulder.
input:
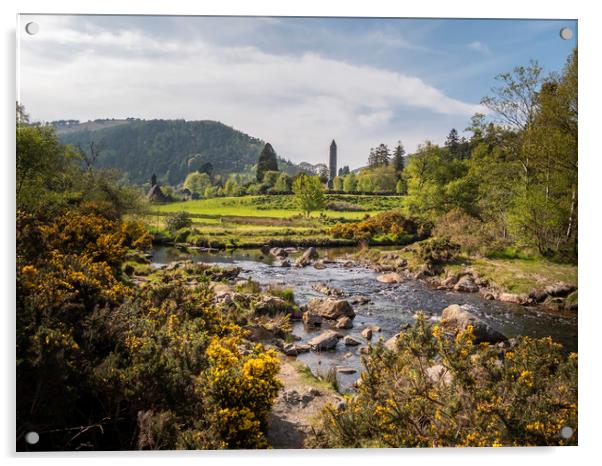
(466, 284)
(293, 349)
(330, 308)
(308, 256)
(325, 341)
(392, 277)
(455, 318)
(311, 319)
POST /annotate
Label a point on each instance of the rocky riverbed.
(343, 306)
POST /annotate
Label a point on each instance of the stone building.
(333, 163)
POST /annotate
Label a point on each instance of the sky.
(297, 83)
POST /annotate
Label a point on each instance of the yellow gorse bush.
(158, 364)
(437, 390)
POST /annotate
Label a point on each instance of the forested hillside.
(169, 148)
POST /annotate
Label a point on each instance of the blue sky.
(295, 82)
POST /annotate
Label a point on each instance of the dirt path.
(298, 403)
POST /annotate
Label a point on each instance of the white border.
(590, 197)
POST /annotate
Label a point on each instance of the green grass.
(276, 206)
(252, 221)
(521, 275)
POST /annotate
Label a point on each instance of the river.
(390, 306)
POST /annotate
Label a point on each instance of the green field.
(251, 221)
(281, 206)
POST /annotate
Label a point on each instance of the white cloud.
(480, 47)
(298, 103)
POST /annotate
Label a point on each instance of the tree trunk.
(569, 230)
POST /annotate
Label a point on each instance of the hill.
(169, 148)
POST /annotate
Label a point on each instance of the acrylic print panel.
(247, 232)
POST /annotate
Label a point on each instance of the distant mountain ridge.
(169, 148)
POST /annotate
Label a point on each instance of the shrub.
(157, 366)
(439, 390)
(178, 221)
(287, 294)
(394, 224)
(471, 234)
(437, 251)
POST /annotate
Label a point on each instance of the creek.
(390, 306)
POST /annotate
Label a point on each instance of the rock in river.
(278, 252)
(312, 319)
(457, 319)
(308, 256)
(392, 277)
(466, 284)
(512, 298)
(344, 322)
(350, 341)
(330, 308)
(324, 341)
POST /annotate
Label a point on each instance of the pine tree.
(398, 162)
(453, 144)
(379, 156)
(267, 161)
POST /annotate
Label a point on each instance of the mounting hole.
(566, 432)
(566, 33)
(32, 438)
(32, 28)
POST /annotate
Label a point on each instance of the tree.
(379, 156)
(344, 171)
(232, 188)
(380, 178)
(400, 187)
(42, 165)
(515, 101)
(453, 144)
(398, 162)
(178, 220)
(197, 182)
(267, 161)
(350, 183)
(283, 184)
(309, 193)
(270, 178)
(337, 183)
(322, 171)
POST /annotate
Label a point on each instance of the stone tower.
(333, 163)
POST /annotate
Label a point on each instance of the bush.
(394, 225)
(471, 234)
(177, 221)
(439, 390)
(157, 366)
(437, 251)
